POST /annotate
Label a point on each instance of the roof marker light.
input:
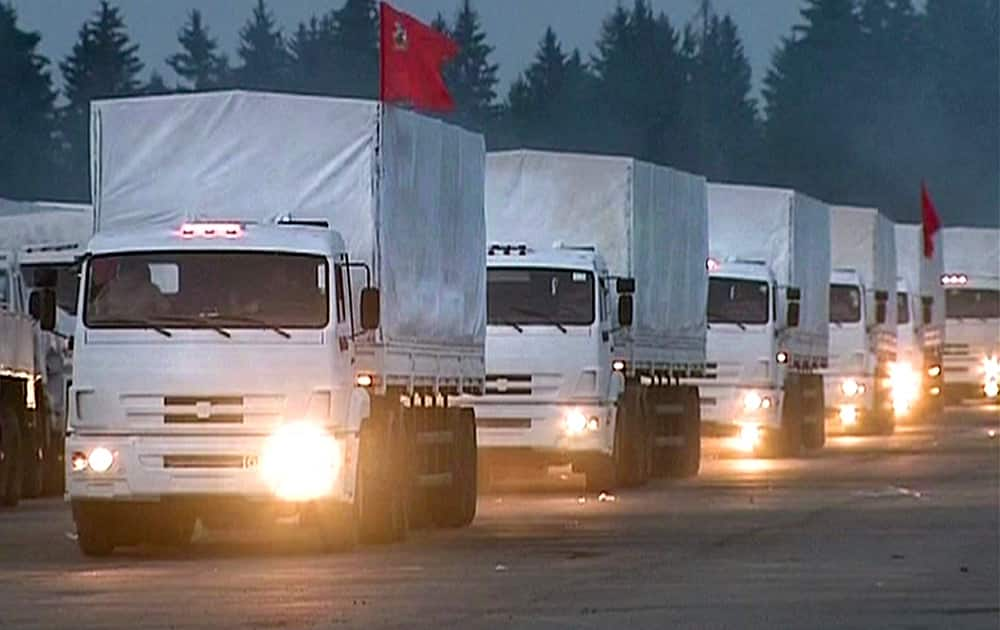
(211, 230)
(711, 264)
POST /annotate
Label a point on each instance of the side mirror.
(881, 298)
(925, 307)
(793, 294)
(625, 285)
(625, 308)
(792, 316)
(371, 309)
(42, 307)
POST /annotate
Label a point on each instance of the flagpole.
(381, 57)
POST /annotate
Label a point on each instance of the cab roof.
(559, 257)
(297, 238)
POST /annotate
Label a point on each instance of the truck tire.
(601, 472)
(455, 506)
(691, 458)
(11, 453)
(384, 476)
(337, 525)
(55, 466)
(33, 443)
(96, 528)
(633, 449)
(786, 441)
(167, 527)
(814, 427)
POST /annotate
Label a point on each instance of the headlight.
(577, 423)
(933, 371)
(991, 367)
(753, 401)
(300, 461)
(748, 438)
(100, 460)
(850, 387)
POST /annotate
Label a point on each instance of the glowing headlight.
(848, 415)
(749, 437)
(904, 387)
(300, 462)
(991, 367)
(100, 459)
(753, 401)
(933, 371)
(577, 423)
(850, 387)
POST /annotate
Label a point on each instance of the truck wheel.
(691, 459)
(633, 444)
(337, 525)
(169, 528)
(814, 427)
(787, 440)
(456, 505)
(10, 457)
(34, 457)
(601, 472)
(55, 466)
(95, 528)
(384, 475)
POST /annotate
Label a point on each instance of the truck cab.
(972, 336)
(551, 387)
(744, 306)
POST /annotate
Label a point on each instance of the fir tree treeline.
(862, 100)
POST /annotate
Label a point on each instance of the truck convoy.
(596, 285)
(920, 314)
(971, 282)
(857, 388)
(33, 235)
(283, 299)
(768, 317)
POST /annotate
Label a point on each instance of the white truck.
(40, 241)
(862, 321)
(971, 282)
(595, 288)
(283, 298)
(920, 314)
(768, 318)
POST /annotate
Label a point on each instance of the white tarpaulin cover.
(647, 221)
(43, 223)
(17, 344)
(863, 239)
(923, 275)
(405, 191)
(791, 233)
(972, 251)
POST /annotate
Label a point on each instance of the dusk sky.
(513, 27)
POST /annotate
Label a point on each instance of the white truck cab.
(551, 390)
(971, 282)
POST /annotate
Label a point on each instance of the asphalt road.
(871, 533)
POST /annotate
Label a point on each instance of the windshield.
(529, 296)
(207, 290)
(972, 303)
(845, 304)
(737, 301)
(902, 308)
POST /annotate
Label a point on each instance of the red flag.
(930, 219)
(411, 56)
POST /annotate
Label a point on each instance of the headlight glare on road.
(300, 461)
(100, 460)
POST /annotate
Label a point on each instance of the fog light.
(364, 380)
(100, 460)
(618, 365)
(78, 462)
(848, 415)
(992, 389)
(300, 462)
(577, 423)
(935, 391)
(934, 371)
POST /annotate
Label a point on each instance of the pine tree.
(355, 41)
(265, 60)
(313, 56)
(156, 85)
(103, 63)
(199, 63)
(470, 76)
(720, 115)
(26, 111)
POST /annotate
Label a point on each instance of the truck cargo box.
(788, 231)
(922, 274)
(863, 239)
(972, 251)
(43, 222)
(405, 191)
(647, 221)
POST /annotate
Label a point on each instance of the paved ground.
(872, 533)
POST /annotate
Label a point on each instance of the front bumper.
(724, 411)
(541, 428)
(150, 468)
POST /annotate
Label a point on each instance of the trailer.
(270, 324)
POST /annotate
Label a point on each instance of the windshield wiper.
(513, 325)
(245, 319)
(182, 319)
(134, 323)
(548, 319)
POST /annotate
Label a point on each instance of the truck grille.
(503, 423)
(210, 461)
